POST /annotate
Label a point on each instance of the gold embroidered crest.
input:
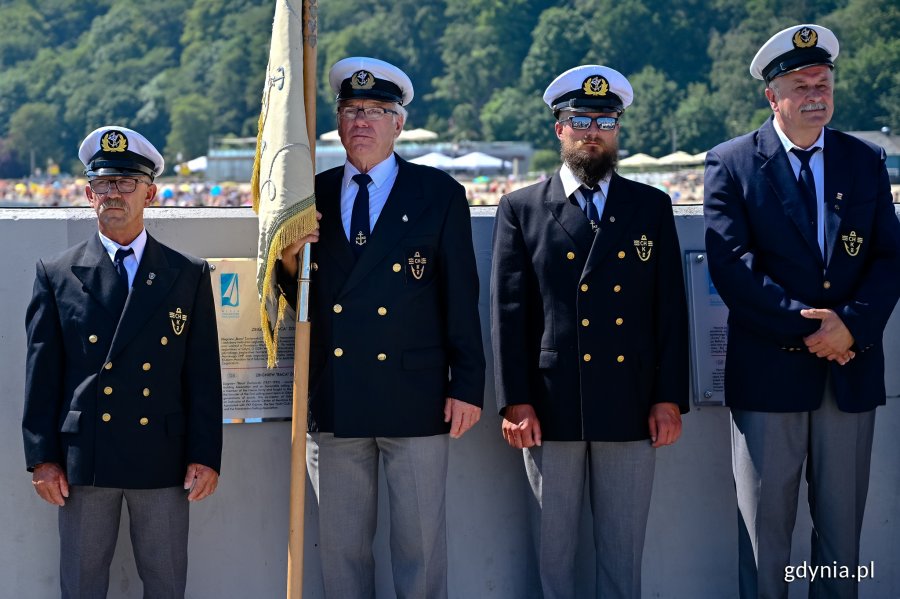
(178, 320)
(852, 243)
(805, 38)
(362, 80)
(595, 85)
(644, 248)
(417, 265)
(114, 141)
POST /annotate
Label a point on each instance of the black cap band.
(382, 89)
(797, 58)
(126, 162)
(577, 99)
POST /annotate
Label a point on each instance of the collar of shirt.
(132, 261)
(383, 174)
(138, 245)
(571, 183)
(789, 145)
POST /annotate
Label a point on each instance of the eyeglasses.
(102, 186)
(604, 123)
(371, 113)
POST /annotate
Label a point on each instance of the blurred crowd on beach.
(683, 186)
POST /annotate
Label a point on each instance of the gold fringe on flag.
(283, 175)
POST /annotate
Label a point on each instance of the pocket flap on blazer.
(71, 423)
(427, 357)
(175, 424)
(548, 358)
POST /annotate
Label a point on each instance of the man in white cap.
(123, 395)
(396, 357)
(589, 326)
(804, 248)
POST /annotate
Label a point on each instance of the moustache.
(813, 106)
(112, 203)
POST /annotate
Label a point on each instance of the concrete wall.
(238, 536)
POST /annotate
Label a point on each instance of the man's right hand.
(290, 255)
(520, 426)
(50, 483)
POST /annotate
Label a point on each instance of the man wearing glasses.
(396, 358)
(123, 394)
(589, 327)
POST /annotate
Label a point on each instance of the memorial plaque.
(250, 391)
(709, 333)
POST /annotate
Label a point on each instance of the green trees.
(185, 70)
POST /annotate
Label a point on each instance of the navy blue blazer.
(122, 402)
(589, 329)
(766, 264)
(396, 332)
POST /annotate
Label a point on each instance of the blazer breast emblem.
(417, 265)
(644, 248)
(178, 320)
(852, 243)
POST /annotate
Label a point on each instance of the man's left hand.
(201, 480)
(833, 339)
(665, 424)
(461, 415)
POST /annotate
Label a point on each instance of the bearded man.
(590, 338)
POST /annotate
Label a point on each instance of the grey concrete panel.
(238, 536)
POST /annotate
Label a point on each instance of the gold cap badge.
(805, 38)
(362, 80)
(595, 85)
(114, 141)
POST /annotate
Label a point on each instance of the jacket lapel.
(778, 172)
(407, 199)
(99, 277)
(617, 214)
(328, 202)
(569, 216)
(152, 282)
(835, 162)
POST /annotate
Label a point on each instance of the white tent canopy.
(678, 158)
(435, 159)
(193, 166)
(639, 160)
(476, 161)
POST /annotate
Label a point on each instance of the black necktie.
(807, 182)
(359, 218)
(119, 261)
(590, 208)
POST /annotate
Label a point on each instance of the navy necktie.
(359, 218)
(119, 261)
(807, 182)
(590, 208)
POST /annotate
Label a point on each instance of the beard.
(590, 167)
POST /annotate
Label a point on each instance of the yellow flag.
(283, 173)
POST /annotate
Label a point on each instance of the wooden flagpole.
(302, 334)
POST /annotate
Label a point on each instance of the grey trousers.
(89, 528)
(768, 451)
(344, 476)
(621, 482)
